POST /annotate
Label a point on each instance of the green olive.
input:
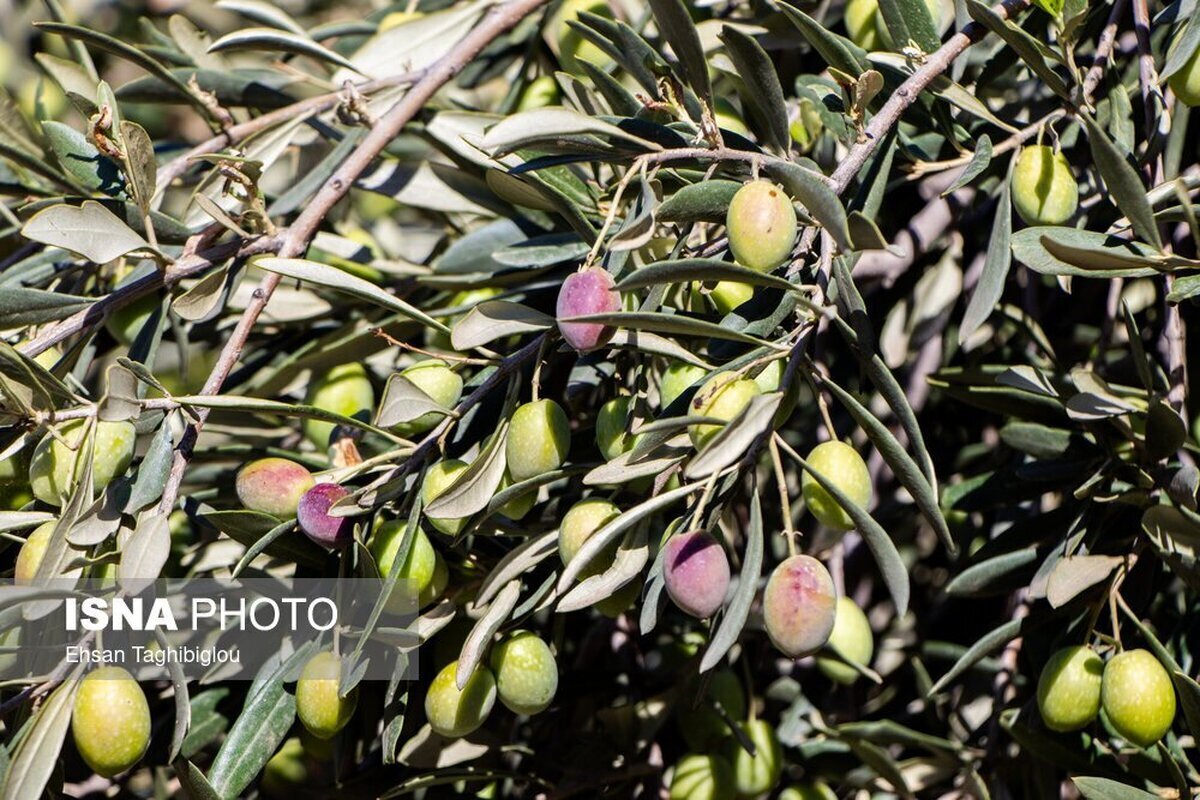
(724, 396)
(320, 706)
(759, 773)
(539, 437)
(415, 575)
(286, 772)
(841, 465)
(111, 721)
(526, 673)
(1185, 83)
(455, 712)
(702, 777)
(440, 477)
(345, 389)
(32, 553)
(443, 385)
(700, 724)
(612, 428)
(676, 380)
(126, 323)
(852, 638)
(1138, 697)
(55, 466)
(1068, 691)
(761, 225)
(1044, 191)
(581, 521)
(573, 47)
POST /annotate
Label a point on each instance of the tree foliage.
(545, 287)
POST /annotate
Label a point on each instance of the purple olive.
(696, 572)
(588, 292)
(316, 521)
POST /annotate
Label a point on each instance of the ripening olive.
(1138, 697)
(581, 521)
(723, 396)
(1044, 190)
(312, 514)
(589, 291)
(761, 225)
(612, 428)
(415, 575)
(526, 673)
(539, 437)
(759, 773)
(676, 380)
(440, 477)
(702, 777)
(700, 724)
(1185, 82)
(841, 465)
(455, 712)
(32, 552)
(345, 389)
(55, 466)
(572, 45)
(696, 573)
(319, 704)
(110, 721)
(443, 385)
(273, 486)
(799, 606)
(1068, 691)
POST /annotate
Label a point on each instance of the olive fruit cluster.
(521, 673)
(719, 766)
(1133, 689)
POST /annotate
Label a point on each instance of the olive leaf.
(90, 230)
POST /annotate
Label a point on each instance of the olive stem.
(785, 502)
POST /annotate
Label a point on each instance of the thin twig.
(310, 106)
(904, 96)
(1104, 47)
(296, 239)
